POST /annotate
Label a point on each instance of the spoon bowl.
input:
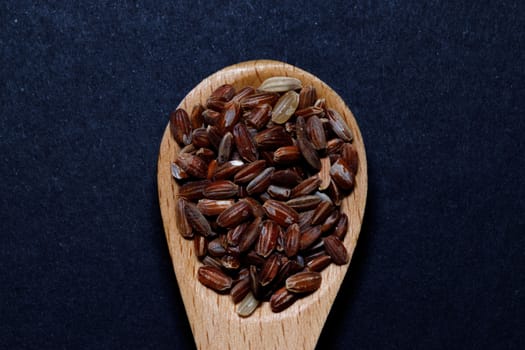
(212, 317)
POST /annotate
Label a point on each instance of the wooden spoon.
(213, 320)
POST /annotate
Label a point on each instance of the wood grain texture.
(213, 320)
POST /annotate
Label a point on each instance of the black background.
(438, 90)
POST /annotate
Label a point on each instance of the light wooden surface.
(213, 320)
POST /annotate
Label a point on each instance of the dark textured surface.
(438, 91)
